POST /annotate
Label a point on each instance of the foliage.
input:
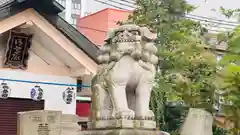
(229, 13)
(229, 73)
(174, 116)
(229, 78)
(219, 131)
(187, 67)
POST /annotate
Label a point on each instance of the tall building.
(72, 10)
(93, 6)
(107, 19)
(79, 8)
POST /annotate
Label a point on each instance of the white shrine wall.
(52, 94)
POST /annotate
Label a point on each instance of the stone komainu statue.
(122, 87)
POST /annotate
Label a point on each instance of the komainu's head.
(132, 40)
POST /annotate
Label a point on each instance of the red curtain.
(83, 109)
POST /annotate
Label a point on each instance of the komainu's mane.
(140, 47)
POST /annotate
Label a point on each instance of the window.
(79, 6)
(76, 11)
(76, 6)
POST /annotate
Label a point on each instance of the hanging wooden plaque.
(17, 50)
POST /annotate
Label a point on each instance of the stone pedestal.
(69, 124)
(122, 127)
(122, 123)
(123, 132)
(120, 132)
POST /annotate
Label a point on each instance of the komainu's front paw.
(150, 115)
(104, 115)
(145, 115)
(125, 114)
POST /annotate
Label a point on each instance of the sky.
(218, 22)
(205, 7)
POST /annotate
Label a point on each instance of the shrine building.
(44, 60)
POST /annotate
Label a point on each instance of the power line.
(226, 28)
(214, 22)
(202, 17)
(110, 5)
(188, 15)
(113, 5)
(201, 20)
(209, 29)
(134, 3)
(212, 30)
(121, 3)
(131, 2)
(213, 19)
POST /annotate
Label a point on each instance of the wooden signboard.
(17, 50)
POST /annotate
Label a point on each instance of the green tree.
(229, 73)
(219, 131)
(187, 67)
(230, 13)
(229, 77)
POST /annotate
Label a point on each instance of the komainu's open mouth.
(125, 41)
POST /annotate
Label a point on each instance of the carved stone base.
(123, 132)
(119, 124)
